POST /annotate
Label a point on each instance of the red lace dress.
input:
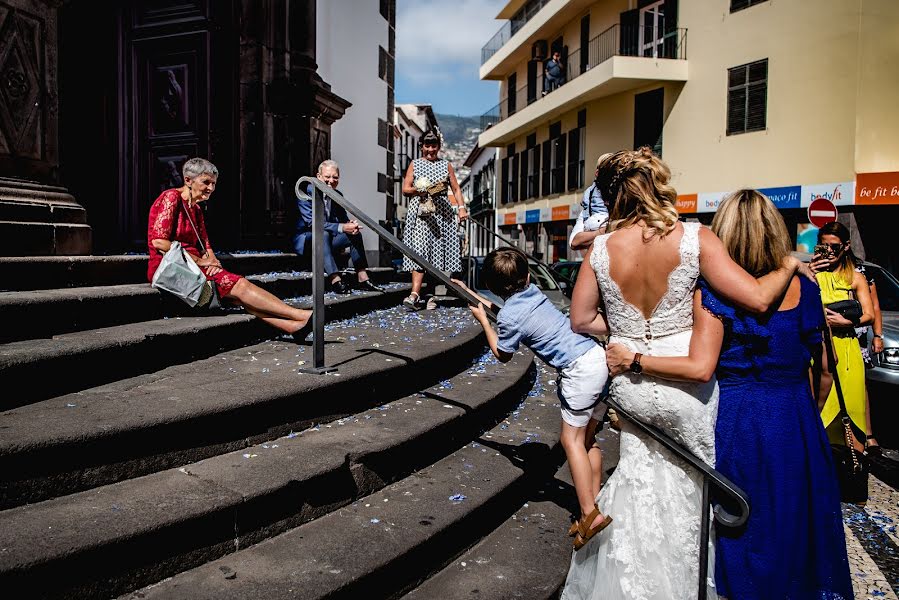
(160, 228)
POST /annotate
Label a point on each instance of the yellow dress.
(850, 365)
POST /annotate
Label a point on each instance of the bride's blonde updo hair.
(635, 185)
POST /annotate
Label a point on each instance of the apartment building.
(796, 98)
(363, 73)
(479, 188)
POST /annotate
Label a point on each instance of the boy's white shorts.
(580, 385)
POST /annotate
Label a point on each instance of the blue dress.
(769, 440)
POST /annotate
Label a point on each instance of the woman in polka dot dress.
(434, 236)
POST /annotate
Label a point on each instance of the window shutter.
(513, 180)
(536, 185)
(756, 106)
(736, 5)
(547, 166)
(736, 111)
(628, 35)
(574, 145)
(504, 189)
(523, 175)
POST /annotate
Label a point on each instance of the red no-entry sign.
(821, 212)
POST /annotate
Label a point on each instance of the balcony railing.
(480, 202)
(510, 28)
(617, 40)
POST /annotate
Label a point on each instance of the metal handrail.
(510, 242)
(318, 261)
(710, 476)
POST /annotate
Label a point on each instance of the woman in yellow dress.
(839, 280)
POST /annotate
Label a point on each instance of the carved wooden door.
(179, 91)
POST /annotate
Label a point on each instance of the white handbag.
(178, 274)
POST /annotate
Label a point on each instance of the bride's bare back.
(641, 268)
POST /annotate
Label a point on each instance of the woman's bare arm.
(409, 185)
(698, 365)
(730, 280)
(585, 300)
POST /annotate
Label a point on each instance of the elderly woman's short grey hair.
(196, 167)
(328, 164)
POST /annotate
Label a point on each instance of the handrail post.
(318, 286)
(704, 542)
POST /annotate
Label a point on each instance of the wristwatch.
(636, 367)
(878, 335)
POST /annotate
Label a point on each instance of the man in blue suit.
(340, 232)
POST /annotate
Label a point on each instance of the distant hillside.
(461, 135)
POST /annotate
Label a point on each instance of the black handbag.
(851, 465)
(850, 309)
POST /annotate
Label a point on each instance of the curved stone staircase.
(147, 451)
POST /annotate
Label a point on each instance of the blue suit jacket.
(335, 217)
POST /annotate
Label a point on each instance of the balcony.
(510, 28)
(618, 59)
(480, 202)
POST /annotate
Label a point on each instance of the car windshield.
(887, 287)
(541, 277)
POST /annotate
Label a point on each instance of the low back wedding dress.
(651, 549)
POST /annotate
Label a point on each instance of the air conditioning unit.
(538, 50)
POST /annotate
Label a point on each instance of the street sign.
(821, 212)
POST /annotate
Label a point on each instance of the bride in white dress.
(644, 273)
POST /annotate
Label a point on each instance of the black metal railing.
(724, 495)
(617, 40)
(320, 190)
(472, 224)
(510, 28)
(724, 489)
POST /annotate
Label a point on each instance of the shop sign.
(532, 216)
(686, 203)
(784, 197)
(509, 218)
(709, 202)
(841, 194)
(872, 189)
(561, 213)
(545, 215)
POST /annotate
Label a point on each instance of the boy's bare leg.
(572, 439)
(594, 455)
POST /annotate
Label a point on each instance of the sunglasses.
(833, 248)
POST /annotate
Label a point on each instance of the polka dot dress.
(434, 237)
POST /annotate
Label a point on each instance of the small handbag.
(181, 276)
(851, 465)
(850, 309)
(427, 207)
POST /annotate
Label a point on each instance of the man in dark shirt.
(340, 232)
(553, 73)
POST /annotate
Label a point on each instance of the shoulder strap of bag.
(843, 414)
(200, 245)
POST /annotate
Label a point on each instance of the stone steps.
(82, 308)
(223, 403)
(110, 539)
(43, 368)
(384, 544)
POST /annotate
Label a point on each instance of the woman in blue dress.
(769, 439)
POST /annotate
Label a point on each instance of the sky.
(438, 54)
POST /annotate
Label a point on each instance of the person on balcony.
(431, 227)
(553, 73)
(340, 233)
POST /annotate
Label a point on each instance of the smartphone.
(822, 251)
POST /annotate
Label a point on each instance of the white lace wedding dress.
(651, 549)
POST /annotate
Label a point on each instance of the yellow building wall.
(877, 102)
(812, 95)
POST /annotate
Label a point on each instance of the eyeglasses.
(835, 248)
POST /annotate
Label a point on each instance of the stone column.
(37, 215)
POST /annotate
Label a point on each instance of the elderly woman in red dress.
(200, 177)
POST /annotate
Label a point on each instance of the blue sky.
(438, 53)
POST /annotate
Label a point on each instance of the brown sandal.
(584, 532)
